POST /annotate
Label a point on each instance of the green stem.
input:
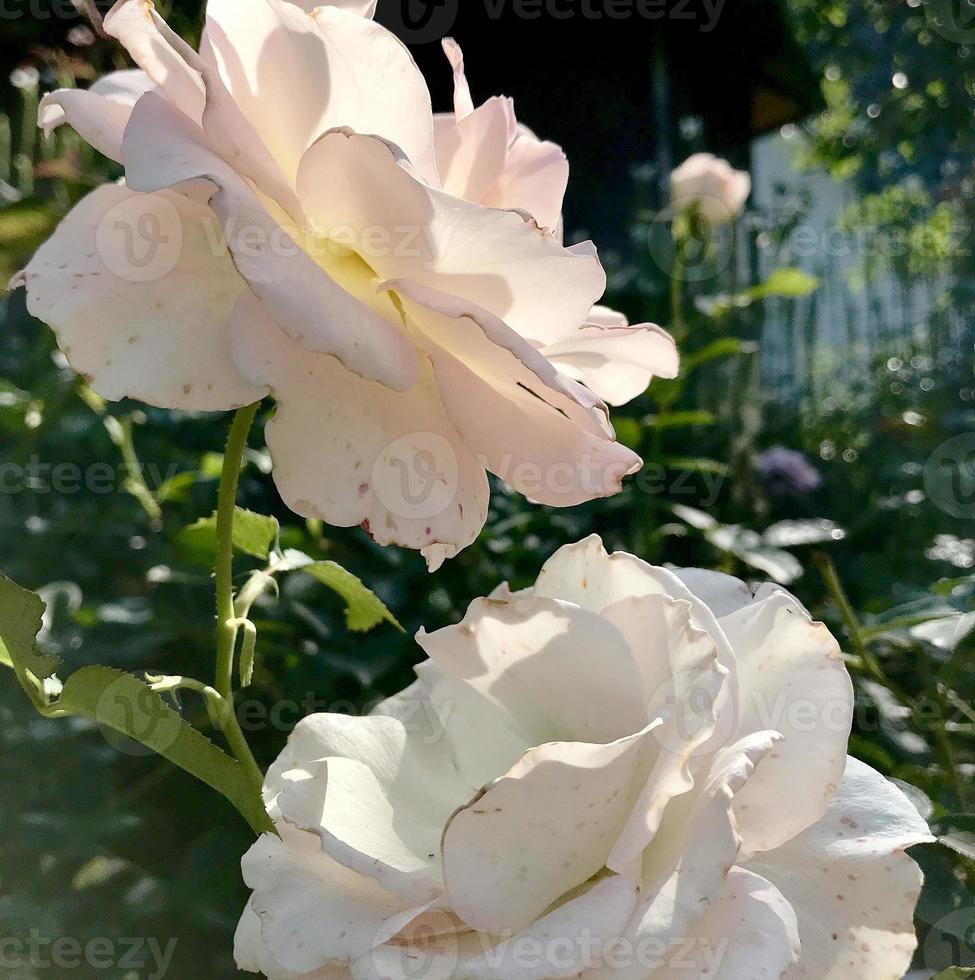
(135, 482)
(677, 291)
(834, 587)
(942, 744)
(223, 573)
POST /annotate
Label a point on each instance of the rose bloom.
(711, 186)
(294, 221)
(622, 772)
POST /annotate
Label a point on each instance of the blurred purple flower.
(788, 471)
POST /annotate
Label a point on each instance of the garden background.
(822, 433)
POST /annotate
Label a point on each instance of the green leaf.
(176, 489)
(364, 609)
(955, 973)
(722, 347)
(695, 465)
(21, 614)
(678, 420)
(957, 831)
(789, 282)
(120, 703)
(254, 534)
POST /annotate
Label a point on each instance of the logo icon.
(949, 476)
(420, 21)
(950, 941)
(139, 710)
(692, 239)
(954, 20)
(140, 239)
(416, 476)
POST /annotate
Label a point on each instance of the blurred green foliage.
(103, 516)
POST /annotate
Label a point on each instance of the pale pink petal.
(311, 911)
(538, 431)
(508, 857)
(685, 869)
(252, 955)
(791, 680)
(573, 937)
(163, 149)
(296, 75)
(163, 55)
(853, 888)
(351, 451)
(491, 258)
(750, 932)
(585, 574)
(471, 152)
(363, 8)
(356, 787)
(533, 659)
(618, 363)
(139, 294)
(534, 179)
(463, 103)
(99, 121)
(682, 684)
(722, 593)
(482, 740)
(99, 113)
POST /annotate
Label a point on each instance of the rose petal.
(351, 451)
(850, 883)
(618, 363)
(252, 955)
(99, 114)
(471, 152)
(491, 258)
(723, 594)
(751, 931)
(791, 679)
(139, 298)
(376, 793)
(585, 574)
(312, 911)
(163, 55)
(483, 743)
(296, 75)
(682, 683)
(162, 149)
(494, 386)
(533, 658)
(534, 179)
(571, 938)
(507, 858)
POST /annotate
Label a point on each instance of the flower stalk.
(228, 623)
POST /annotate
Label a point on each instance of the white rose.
(711, 186)
(284, 228)
(622, 772)
(485, 155)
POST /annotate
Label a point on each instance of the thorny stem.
(227, 620)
